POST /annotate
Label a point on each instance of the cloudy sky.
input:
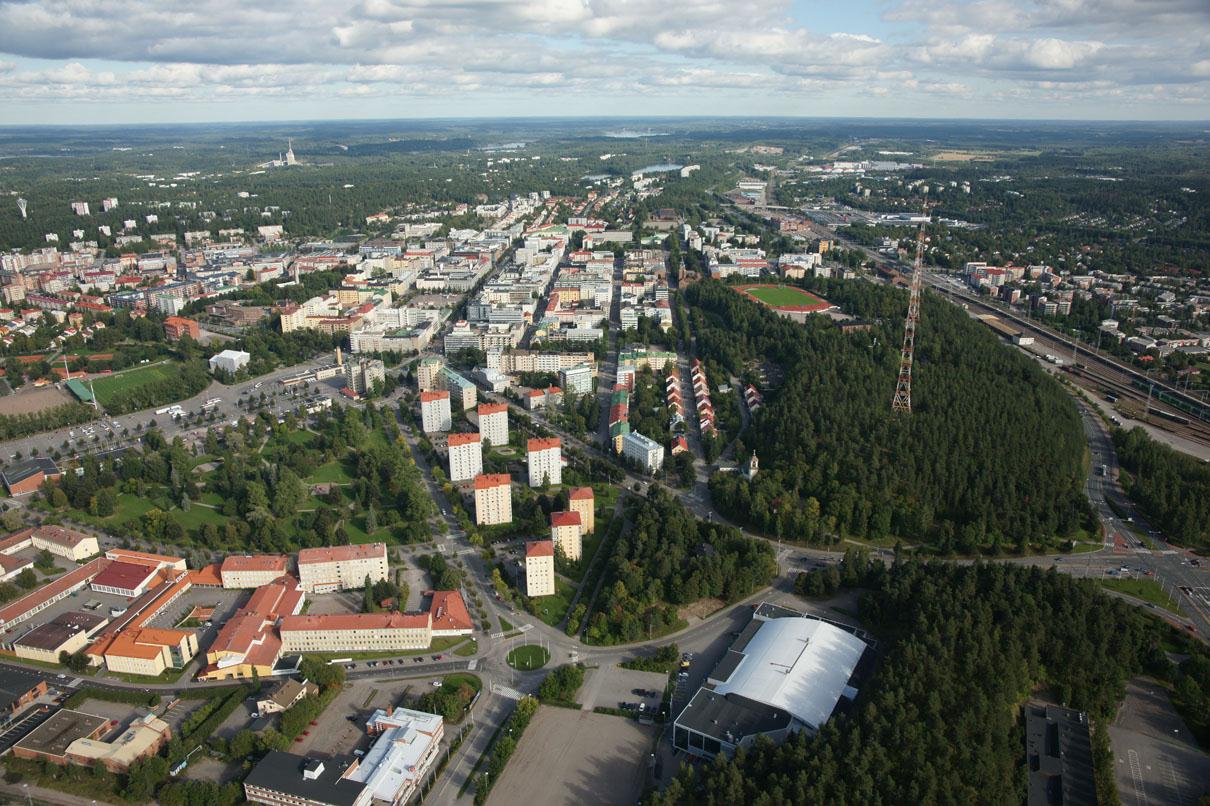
(73, 61)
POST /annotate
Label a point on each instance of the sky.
(164, 61)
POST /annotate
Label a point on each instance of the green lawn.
(552, 609)
(505, 625)
(468, 649)
(458, 679)
(108, 386)
(784, 295)
(330, 473)
(530, 656)
(1146, 589)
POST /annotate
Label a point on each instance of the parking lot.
(612, 685)
(1156, 758)
(341, 728)
(224, 602)
(575, 757)
(86, 600)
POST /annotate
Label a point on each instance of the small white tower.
(290, 153)
(23, 206)
(753, 467)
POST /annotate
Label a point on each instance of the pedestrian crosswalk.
(505, 691)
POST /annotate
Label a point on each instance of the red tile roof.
(539, 548)
(458, 440)
(255, 562)
(485, 409)
(449, 612)
(331, 554)
(487, 481)
(580, 494)
(429, 397)
(560, 519)
(543, 444)
(34, 598)
(124, 575)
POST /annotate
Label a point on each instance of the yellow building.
(332, 568)
(581, 500)
(360, 632)
(147, 651)
(253, 570)
(565, 534)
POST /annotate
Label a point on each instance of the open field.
(29, 400)
(575, 757)
(784, 297)
(1146, 589)
(108, 386)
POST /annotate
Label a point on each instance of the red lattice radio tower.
(903, 388)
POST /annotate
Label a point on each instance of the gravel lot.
(576, 757)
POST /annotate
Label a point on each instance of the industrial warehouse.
(786, 672)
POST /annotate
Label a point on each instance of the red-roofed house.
(450, 616)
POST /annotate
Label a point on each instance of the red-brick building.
(177, 326)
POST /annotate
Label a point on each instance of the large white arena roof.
(801, 665)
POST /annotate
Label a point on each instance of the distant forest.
(991, 457)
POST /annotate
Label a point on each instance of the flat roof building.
(27, 476)
(785, 673)
(66, 632)
(50, 740)
(1058, 754)
(18, 688)
(407, 745)
(644, 451)
(285, 779)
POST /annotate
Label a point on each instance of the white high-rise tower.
(290, 153)
(23, 205)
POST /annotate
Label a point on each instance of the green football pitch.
(784, 296)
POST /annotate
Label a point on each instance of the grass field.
(1146, 589)
(529, 656)
(783, 296)
(108, 386)
(552, 609)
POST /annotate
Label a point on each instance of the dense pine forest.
(1173, 488)
(991, 457)
(938, 722)
(669, 558)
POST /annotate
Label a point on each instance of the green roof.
(79, 390)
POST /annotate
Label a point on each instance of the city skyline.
(68, 63)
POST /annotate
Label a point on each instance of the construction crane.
(903, 387)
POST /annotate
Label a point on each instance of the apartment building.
(493, 499)
(435, 411)
(566, 535)
(647, 452)
(356, 632)
(428, 372)
(253, 570)
(493, 423)
(333, 568)
(545, 460)
(463, 393)
(539, 568)
(361, 375)
(577, 380)
(466, 456)
(581, 501)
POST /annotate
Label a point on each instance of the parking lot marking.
(1174, 782)
(1136, 773)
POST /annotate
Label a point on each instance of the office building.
(356, 632)
(28, 475)
(1058, 754)
(284, 779)
(395, 766)
(286, 695)
(493, 423)
(493, 499)
(581, 501)
(539, 568)
(18, 688)
(333, 568)
(466, 456)
(435, 412)
(545, 460)
(566, 535)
